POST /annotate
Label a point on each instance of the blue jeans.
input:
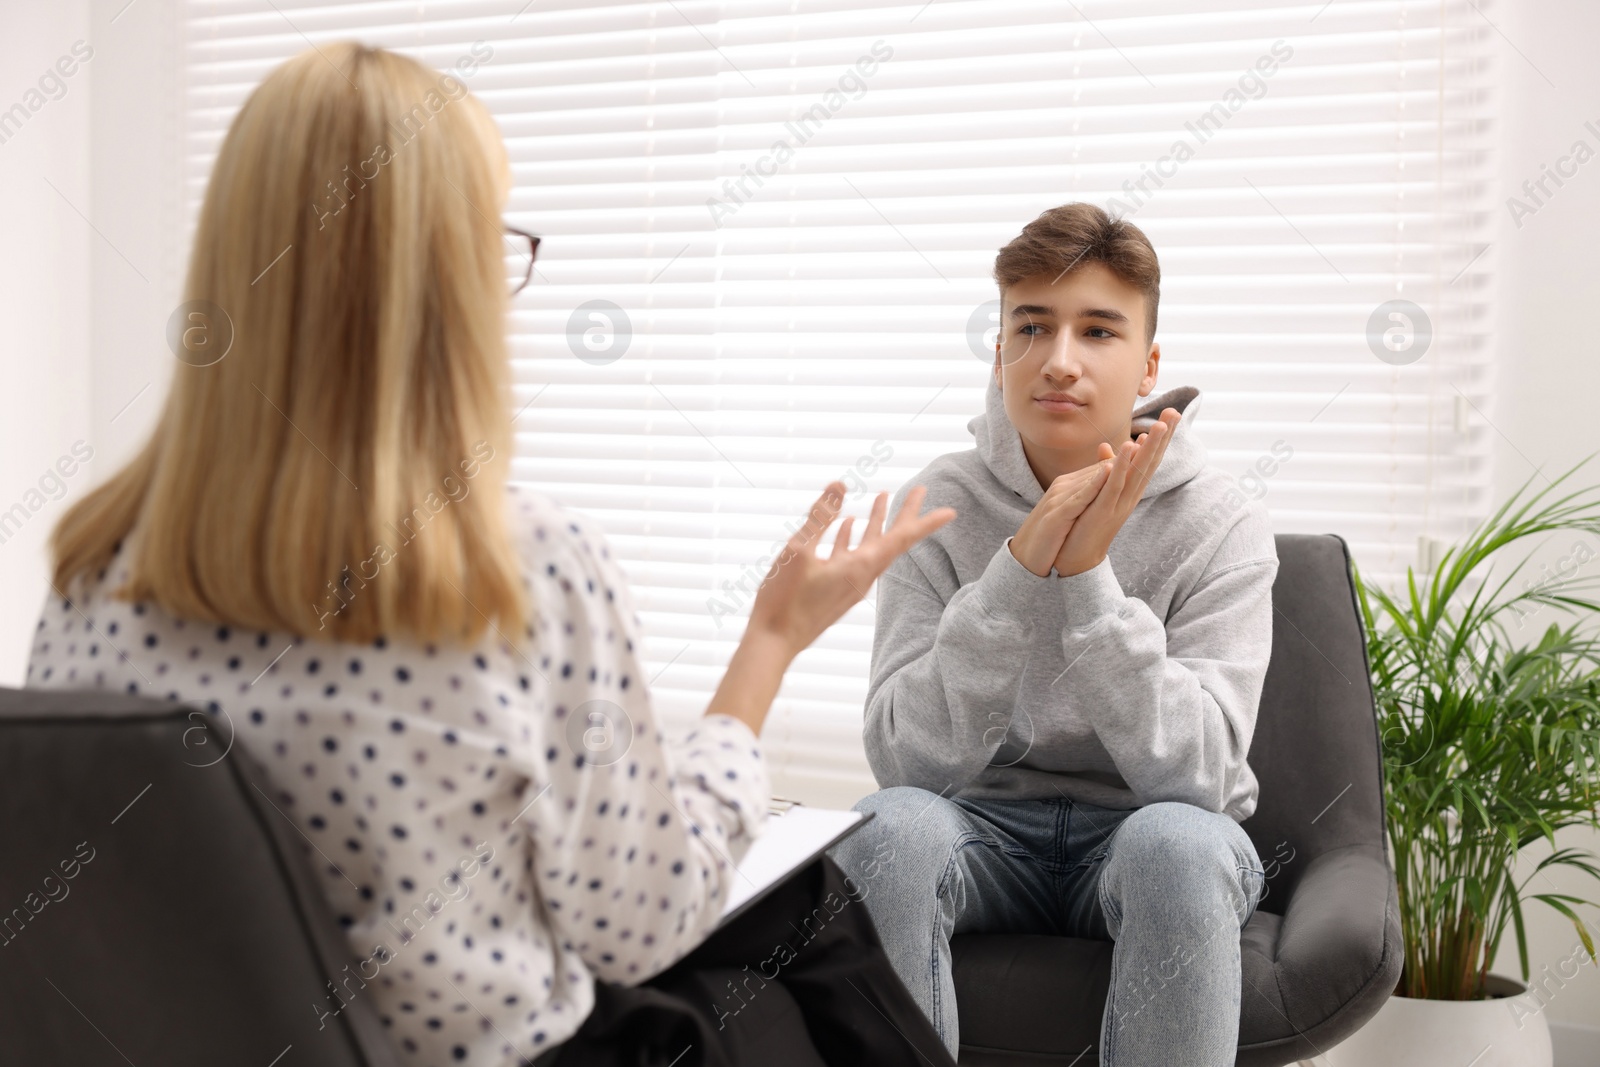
(1170, 883)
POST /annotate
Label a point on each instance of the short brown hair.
(1063, 237)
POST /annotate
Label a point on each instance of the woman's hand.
(803, 594)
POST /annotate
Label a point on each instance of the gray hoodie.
(1133, 682)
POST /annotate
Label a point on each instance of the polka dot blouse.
(491, 825)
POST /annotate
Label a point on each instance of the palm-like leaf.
(1488, 745)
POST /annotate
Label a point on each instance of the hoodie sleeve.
(1175, 704)
(946, 675)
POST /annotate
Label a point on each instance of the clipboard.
(788, 841)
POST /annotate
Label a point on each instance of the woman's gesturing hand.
(804, 594)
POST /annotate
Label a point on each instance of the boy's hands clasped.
(1072, 526)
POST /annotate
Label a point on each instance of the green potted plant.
(1491, 740)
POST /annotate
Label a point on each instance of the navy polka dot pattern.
(483, 856)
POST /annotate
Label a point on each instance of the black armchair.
(1322, 952)
(155, 907)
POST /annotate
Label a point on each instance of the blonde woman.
(441, 674)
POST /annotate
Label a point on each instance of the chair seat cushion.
(1030, 993)
(1038, 994)
(1309, 978)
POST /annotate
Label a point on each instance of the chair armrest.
(1339, 954)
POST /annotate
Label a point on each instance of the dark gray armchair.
(1322, 952)
(155, 907)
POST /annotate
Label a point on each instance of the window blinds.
(769, 226)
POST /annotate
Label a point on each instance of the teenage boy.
(1065, 677)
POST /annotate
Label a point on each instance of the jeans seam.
(1109, 1022)
(1108, 1026)
(963, 840)
(1105, 904)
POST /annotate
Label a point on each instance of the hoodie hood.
(1000, 445)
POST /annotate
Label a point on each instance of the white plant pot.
(1507, 1030)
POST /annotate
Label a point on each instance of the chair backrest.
(155, 906)
(1316, 750)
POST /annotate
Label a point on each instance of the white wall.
(90, 246)
(46, 251)
(136, 185)
(1549, 369)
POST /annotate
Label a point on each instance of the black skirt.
(799, 979)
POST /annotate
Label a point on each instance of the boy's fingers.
(1153, 446)
(1143, 467)
(1106, 493)
(1093, 484)
(1070, 490)
(1099, 511)
(1153, 441)
(1127, 470)
(1172, 427)
(1148, 444)
(1116, 479)
(1168, 428)
(1068, 482)
(1127, 453)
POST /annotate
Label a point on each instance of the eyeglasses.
(519, 261)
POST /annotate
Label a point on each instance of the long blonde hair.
(315, 479)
